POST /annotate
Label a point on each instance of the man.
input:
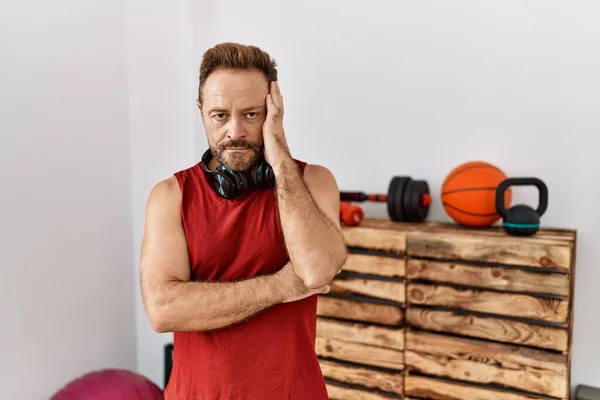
(237, 247)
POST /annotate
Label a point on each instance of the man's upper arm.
(324, 189)
(164, 255)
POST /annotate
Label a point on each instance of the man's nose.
(236, 129)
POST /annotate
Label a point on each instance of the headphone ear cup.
(257, 175)
(224, 184)
(269, 176)
(262, 175)
(239, 179)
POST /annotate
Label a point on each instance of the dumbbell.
(350, 214)
(407, 200)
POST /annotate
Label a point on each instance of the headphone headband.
(231, 184)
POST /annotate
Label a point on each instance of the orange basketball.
(469, 193)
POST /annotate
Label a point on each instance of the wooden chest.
(438, 311)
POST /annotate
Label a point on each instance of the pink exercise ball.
(110, 384)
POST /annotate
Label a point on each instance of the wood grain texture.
(488, 328)
(506, 304)
(360, 353)
(490, 247)
(486, 307)
(436, 389)
(344, 393)
(362, 376)
(359, 310)
(379, 235)
(478, 361)
(496, 231)
(498, 277)
(388, 224)
(375, 239)
(375, 265)
(372, 335)
(380, 289)
(572, 310)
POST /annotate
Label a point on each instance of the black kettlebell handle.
(504, 185)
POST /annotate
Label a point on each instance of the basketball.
(469, 193)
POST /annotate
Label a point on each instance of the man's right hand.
(293, 288)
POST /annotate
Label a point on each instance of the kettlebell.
(520, 219)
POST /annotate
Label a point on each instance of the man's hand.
(275, 146)
(308, 204)
(293, 288)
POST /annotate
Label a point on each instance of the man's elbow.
(160, 325)
(324, 271)
(317, 280)
(158, 318)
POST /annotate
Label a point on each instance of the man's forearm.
(201, 306)
(315, 245)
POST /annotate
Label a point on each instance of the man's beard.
(237, 161)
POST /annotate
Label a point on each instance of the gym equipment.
(586, 392)
(110, 384)
(231, 184)
(350, 214)
(521, 220)
(468, 194)
(407, 200)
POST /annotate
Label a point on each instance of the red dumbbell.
(351, 214)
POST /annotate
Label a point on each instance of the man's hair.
(235, 56)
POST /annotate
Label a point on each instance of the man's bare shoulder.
(319, 176)
(324, 189)
(165, 193)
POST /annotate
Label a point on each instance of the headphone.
(521, 220)
(231, 184)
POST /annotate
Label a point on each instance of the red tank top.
(271, 355)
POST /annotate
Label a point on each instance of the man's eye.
(251, 115)
(219, 116)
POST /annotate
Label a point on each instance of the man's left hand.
(276, 149)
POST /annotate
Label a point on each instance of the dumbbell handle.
(361, 197)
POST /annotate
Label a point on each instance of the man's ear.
(199, 104)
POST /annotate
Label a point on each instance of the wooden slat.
(435, 389)
(344, 393)
(375, 239)
(510, 279)
(571, 311)
(375, 265)
(371, 335)
(388, 224)
(545, 233)
(359, 310)
(507, 304)
(536, 371)
(492, 248)
(488, 328)
(362, 376)
(379, 234)
(381, 289)
(360, 353)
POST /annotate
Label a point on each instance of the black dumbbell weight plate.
(395, 195)
(408, 209)
(418, 210)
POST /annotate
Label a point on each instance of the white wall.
(66, 300)
(165, 41)
(382, 88)
(421, 86)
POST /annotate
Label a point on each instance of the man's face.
(233, 111)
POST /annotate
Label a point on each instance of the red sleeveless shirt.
(271, 355)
